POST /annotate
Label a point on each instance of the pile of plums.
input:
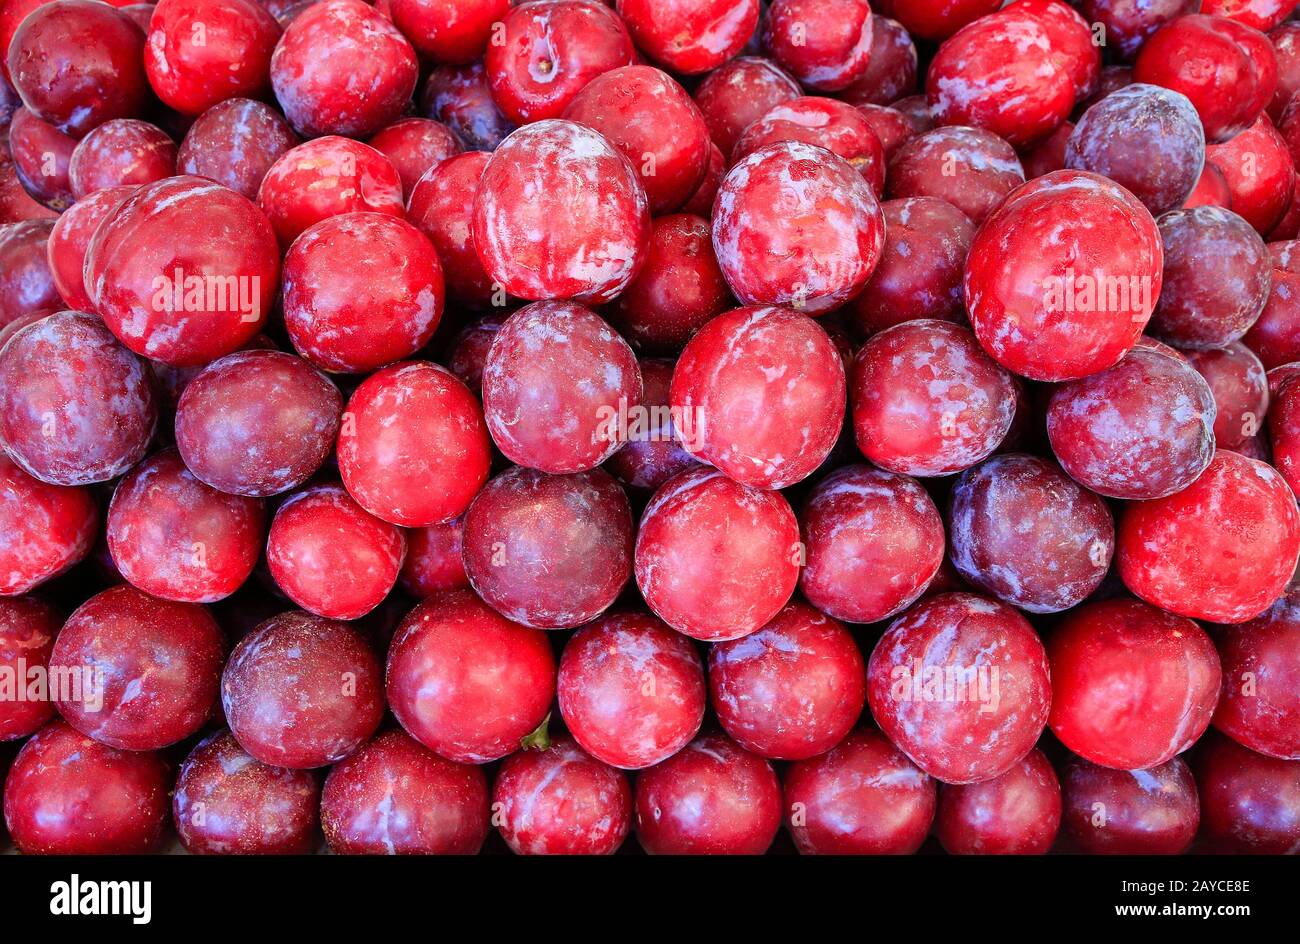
(433, 426)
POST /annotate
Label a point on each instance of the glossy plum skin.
(395, 797)
(414, 145)
(655, 454)
(863, 797)
(67, 374)
(77, 64)
(970, 168)
(715, 559)
(1275, 336)
(1284, 426)
(469, 349)
(460, 97)
(631, 107)
(796, 225)
(892, 128)
(1217, 278)
(433, 560)
(414, 449)
(342, 68)
(28, 626)
(927, 400)
(257, 423)
(1017, 813)
(920, 270)
(561, 170)
(1260, 704)
(822, 122)
(740, 92)
(1146, 138)
(1249, 803)
(1133, 686)
(441, 205)
(70, 240)
(561, 801)
(1139, 430)
(1239, 385)
(201, 52)
(26, 283)
(177, 538)
(548, 52)
(323, 178)
(558, 367)
(69, 795)
(1087, 276)
(235, 142)
(1260, 173)
(466, 682)
(874, 541)
(549, 551)
(1222, 549)
(44, 529)
(228, 803)
(1130, 23)
(1130, 812)
(361, 290)
(170, 283)
(939, 19)
(791, 690)
(455, 31)
(330, 556)
(891, 67)
(763, 389)
(302, 691)
(631, 691)
(41, 154)
(689, 36)
(825, 45)
(711, 798)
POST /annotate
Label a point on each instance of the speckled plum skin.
(1222, 549)
(154, 669)
(466, 682)
(863, 797)
(1130, 23)
(690, 36)
(716, 559)
(77, 64)
(1025, 532)
(874, 541)
(549, 551)
(361, 290)
(632, 107)
(227, 802)
(442, 206)
(459, 96)
(1261, 14)
(1239, 385)
(171, 283)
(1275, 336)
(257, 423)
(556, 382)
(26, 283)
(796, 225)
(395, 797)
(823, 122)
(1217, 278)
(1260, 704)
(326, 177)
(201, 52)
(77, 406)
(69, 795)
(413, 449)
(710, 798)
(177, 538)
(332, 557)
(927, 400)
(920, 270)
(433, 559)
(960, 683)
(1070, 40)
(1133, 686)
(302, 691)
(1146, 138)
(561, 801)
(28, 626)
(1086, 279)
(549, 51)
(1139, 430)
(631, 691)
(41, 154)
(235, 142)
(1017, 813)
(791, 690)
(453, 31)
(44, 529)
(414, 145)
(70, 239)
(825, 45)
(1130, 812)
(764, 390)
(561, 170)
(648, 461)
(740, 92)
(342, 68)
(1249, 803)
(971, 168)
